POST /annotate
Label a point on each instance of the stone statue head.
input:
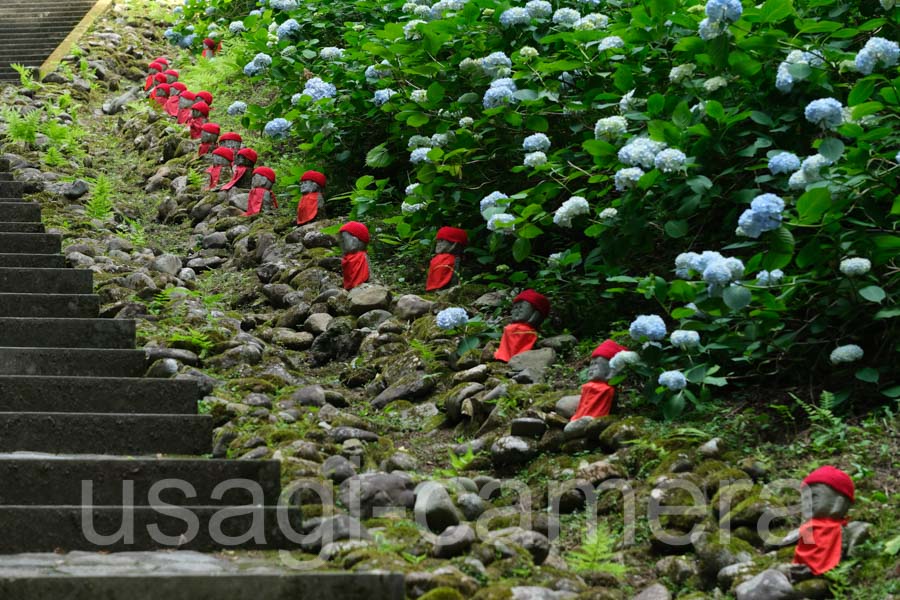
(826, 502)
(599, 369)
(231, 140)
(308, 187)
(312, 181)
(354, 237)
(220, 160)
(450, 240)
(186, 100)
(260, 181)
(245, 158)
(524, 312)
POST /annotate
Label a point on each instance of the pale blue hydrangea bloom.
(438, 8)
(410, 29)
(763, 215)
(724, 10)
(419, 96)
(784, 162)
(493, 199)
(419, 155)
(651, 327)
(608, 43)
(373, 73)
(501, 92)
(680, 73)
(283, 4)
(623, 359)
(535, 159)
(670, 160)
(382, 96)
(187, 41)
(317, 89)
(856, 266)
(515, 16)
(288, 29)
(178, 10)
(539, 9)
(641, 152)
(451, 318)
(237, 108)
(709, 30)
(770, 278)
(592, 22)
(494, 62)
(409, 209)
(500, 223)
(608, 214)
(846, 354)
(628, 178)
(466, 122)
(784, 80)
(673, 380)
(252, 69)
(566, 17)
(331, 53)
(610, 127)
(826, 112)
(685, 338)
(255, 13)
(296, 99)
(418, 141)
(717, 274)
(411, 189)
(236, 27)
(277, 128)
(570, 209)
(535, 142)
(877, 51)
(811, 166)
(439, 140)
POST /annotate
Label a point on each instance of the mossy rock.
(813, 589)
(254, 384)
(494, 592)
(673, 462)
(716, 474)
(615, 436)
(694, 596)
(715, 553)
(601, 594)
(425, 329)
(750, 510)
(442, 593)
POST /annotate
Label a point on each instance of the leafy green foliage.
(596, 554)
(26, 77)
(19, 128)
(100, 205)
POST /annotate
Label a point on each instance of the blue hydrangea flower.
(709, 29)
(419, 155)
(628, 178)
(441, 6)
(237, 108)
(451, 318)
(670, 160)
(763, 215)
(717, 274)
(283, 4)
(536, 142)
(210, 10)
(382, 96)
(317, 89)
(515, 16)
(492, 200)
(826, 112)
(535, 159)
(566, 17)
(373, 73)
(769, 278)
(277, 128)
(877, 50)
(673, 380)
(846, 354)
(724, 10)
(236, 27)
(418, 141)
(784, 162)
(288, 29)
(651, 327)
(608, 43)
(856, 266)
(641, 152)
(494, 62)
(251, 69)
(331, 53)
(539, 9)
(685, 338)
(499, 96)
(569, 210)
(610, 127)
(410, 31)
(501, 223)
(255, 13)
(187, 41)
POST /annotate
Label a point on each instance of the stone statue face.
(524, 312)
(233, 144)
(162, 93)
(599, 369)
(260, 181)
(220, 160)
(208, 137)
(350, 243)
(184, 102)
(308, 187)
(445, 247)
(196, 114)
(245, 162)
(171, 79)
(826, 502)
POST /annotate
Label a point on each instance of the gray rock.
(599, 471)
(534, 361)
(567, 406)
(70, 190)
(183, 356)
(453, 403)
(368, 297)
(477, 374)
(411, 307)
(337, 342)
(454, 541)
(164, 368)
(115, 105)
(373, 318)
(400, 461)
(537, 544)
(311, 395)
(371, 493)
(560, 343)
(187, 275)
(317, 323)
(711, 449)
(434, 508)
(258, 400)
(529, 592)
(317, 239)
(578, 429)
(657, 591)
(342, 434)
(245, 354)
(528, 427)
(332, 529)
(728, 575)
(471, 505)
(338, 469)
(219, 239)
(204, 264)
(411, 387)
(511, 450)
(79, 260)
(768, 585)
(166, 263)
(293, 340)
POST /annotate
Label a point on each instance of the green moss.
(626, 430)
(442, 593)
(494, 592)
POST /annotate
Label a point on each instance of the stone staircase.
(31, 29)
(75, 407)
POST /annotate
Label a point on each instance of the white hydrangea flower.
(571, 208)
(856, 266)
(528, 52)
(499, 223)
(846, 354)
(466, 122)
(626, 179)
(608, 214)
(610, 127)
(535, 159)
(623, 359)
(715, 83)
(682, 72)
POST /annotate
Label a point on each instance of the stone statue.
(160, 94)
(209, 138)
(449, 245)
(221, 161)
(171, 76)
(152, 70)
(199, 114)
(243, 170)
(596, 395)
(210, 47)
(231, 140)
(261, 195)
(186, 100)
(312, 201)
(354, 240)
(156, 81)
(529, 310)
(175, 91)
(205, 96)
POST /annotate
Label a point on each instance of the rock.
(342, 434)
(296, 313)
(454, 541)
(333, 529)
(79, 260)
(203, 264)
(711, 449)
(540, 593)
(163, 368)
(166, 263)
(293, 340)
(434, 508)
(768, 585)
(511, 450)
(677, 569)
(537, 544)
(317, 239)
(317, 323)
(559, 343)
(536, 362)
(71, 190)
(471, 505)
(567, 406)
(187, 275)
(258, 400)
(338, 469)
(219, 239)
(528, 427)
(477, 374)
(410, 307)
(245, 354)
(410, 387)
(55, 77)
(600, 471)
(369, 297)
(400, 461)
(336, 343)
(372, 319)
(657, 591)
(728, 575)
(183, 356)
(115, 105)
(311, 395)
(369, 494)
(455, 398)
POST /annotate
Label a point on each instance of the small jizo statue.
(243, 169)
(160, 94)
(199, 114)
(186, 100)
(449, 245)
(221, 160)
(261, 194)
(210, 48)
(231, 140)
(205, 96)
(171, 76)
(209, 137)
(596, 395)
(529, 309)
(312, 186)
(152, 69)
(354, 240)
(158, 79)
(175, 91)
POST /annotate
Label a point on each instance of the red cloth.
(204, 149)
(205, 96)
(171, 73)
(211, 128)
(833, 478)
(148, 83)
(357, 230)
(265, 172)
(184, 115)
(202, 107)
(824, 552)
(453, 235)
(318, 178)
(211, 48)
(538, 301)
(255, 201)
(596, 400)
(239, 172)
(172, 106)
(196, 125)
(215, 171)
(440, 271)
(250, 154)
(607, 350)
(517, 338)
(308, 207)
(161, 100)
(355, 267)
(231, 136)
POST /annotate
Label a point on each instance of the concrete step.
(74, 306)
(30, 243)
(98, 394)
(46, 281)
(66, 333)
(180, 584)
(36, 261)
(21, 227)
(17, 211)
(55, 528)
(86, 362)
(14, 189)
(95, 433)
(52, 479)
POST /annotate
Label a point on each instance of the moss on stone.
(442, 593)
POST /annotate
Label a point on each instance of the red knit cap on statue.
(211, 128)
(453, 234)
(265, 172)
(209, 43)
(833, 478)
(171, 72)
(231, 137)
(162, 59)
(156, 65)
(226, 153)
(357, 230)
(164, 87)
(179, 86)
(160, 78)
(250, 155)
(538, 301)
(205, 96)
(189, 95)
(314, 176)
(607, 350)
(201, 107)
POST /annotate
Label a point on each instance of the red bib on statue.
(255, 201)
(355, 267)
(204, 149)
(172, 106)
(823, 553)
(308, 208)
(184, 115)
(215, 172)
(195, 125)
(517, 338)
(596, 400)
(440, 273)
(239, 172)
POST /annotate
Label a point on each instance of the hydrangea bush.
(711, 164)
